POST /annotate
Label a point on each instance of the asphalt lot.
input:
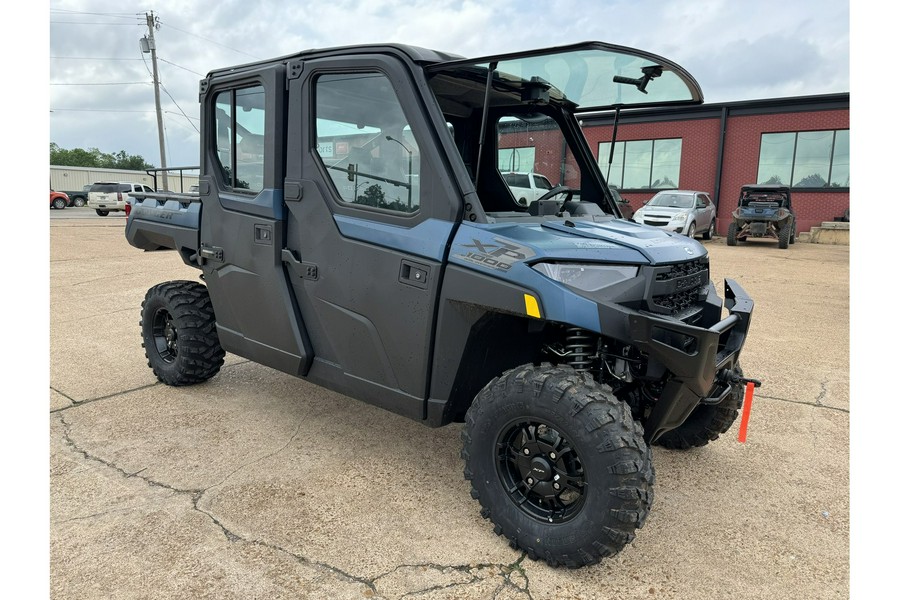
(259, 485)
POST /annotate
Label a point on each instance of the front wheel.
(59, 203)
(558, 464)
(708, 235)
(732, 234)
(178, 327)
(692, 229)
(707, 422)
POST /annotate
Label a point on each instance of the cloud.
(737, 51)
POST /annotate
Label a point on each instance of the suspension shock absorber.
(579, 343)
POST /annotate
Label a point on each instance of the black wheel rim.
(541, 471)
(165, 335)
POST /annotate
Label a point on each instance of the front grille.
(679, 289)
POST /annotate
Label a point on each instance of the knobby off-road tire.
(557, 464)
(709, 233)
(732, 234)
(784, 237)
(793, 233)
(179, 333)
(707, 422)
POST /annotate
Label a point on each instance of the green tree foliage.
(79, 157)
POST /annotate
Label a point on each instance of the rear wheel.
(784, 236)
(558, 464)
(102, 213)
(78, 202)
(707, 422)
(732, 234)
(178, 327)
(709, 233)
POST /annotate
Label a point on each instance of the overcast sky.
(101, 95)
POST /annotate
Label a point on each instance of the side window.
(365, 142)
(542, 183)
(240, 141)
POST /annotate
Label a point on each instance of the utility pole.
(148, 44)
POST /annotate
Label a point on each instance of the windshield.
(590, 76)
(672, 201)
(513, 121)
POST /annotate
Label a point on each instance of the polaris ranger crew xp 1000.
(353, 228)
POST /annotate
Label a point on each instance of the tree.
(79, 157)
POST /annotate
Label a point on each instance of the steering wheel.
(560, 189)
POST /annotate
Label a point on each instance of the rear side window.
(103, 187)
(124, 187)
(240, 136)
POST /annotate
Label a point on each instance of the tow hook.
(729, 376)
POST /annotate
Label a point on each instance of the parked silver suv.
(682, 211)
(106, 197)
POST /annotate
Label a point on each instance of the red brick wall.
(699, 147)
(699, 153)
(742, 141)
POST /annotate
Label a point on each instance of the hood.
(667, 211)
(498, 248)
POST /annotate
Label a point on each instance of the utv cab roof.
(767, 193)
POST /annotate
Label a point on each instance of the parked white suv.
(106, 197)
(527, 187)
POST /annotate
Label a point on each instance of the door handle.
(414, 274)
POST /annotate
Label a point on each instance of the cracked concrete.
(259, 485)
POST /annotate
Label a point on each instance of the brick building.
(717, 148)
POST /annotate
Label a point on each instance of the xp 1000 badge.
(497, 254)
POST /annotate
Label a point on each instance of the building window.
(368, 148)
(240, 126)
(805, 159)
(511, 160)
(642, 164)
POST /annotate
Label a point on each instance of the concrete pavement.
(259, 485)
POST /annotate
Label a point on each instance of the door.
(242, 219)
(701, 213)
(368, 225)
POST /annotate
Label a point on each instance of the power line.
(179, 66)
(89, 23)
(90, 58)
(103, 110)
(210, 41)
(100, 14)
(110, 83)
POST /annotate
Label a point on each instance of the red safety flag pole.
(745, 418)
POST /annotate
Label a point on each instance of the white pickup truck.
(527, 187)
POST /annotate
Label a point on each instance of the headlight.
(679, 218)
(639, 213)
(587, 277)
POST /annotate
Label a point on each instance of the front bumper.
(662, 223)
(695, 357)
